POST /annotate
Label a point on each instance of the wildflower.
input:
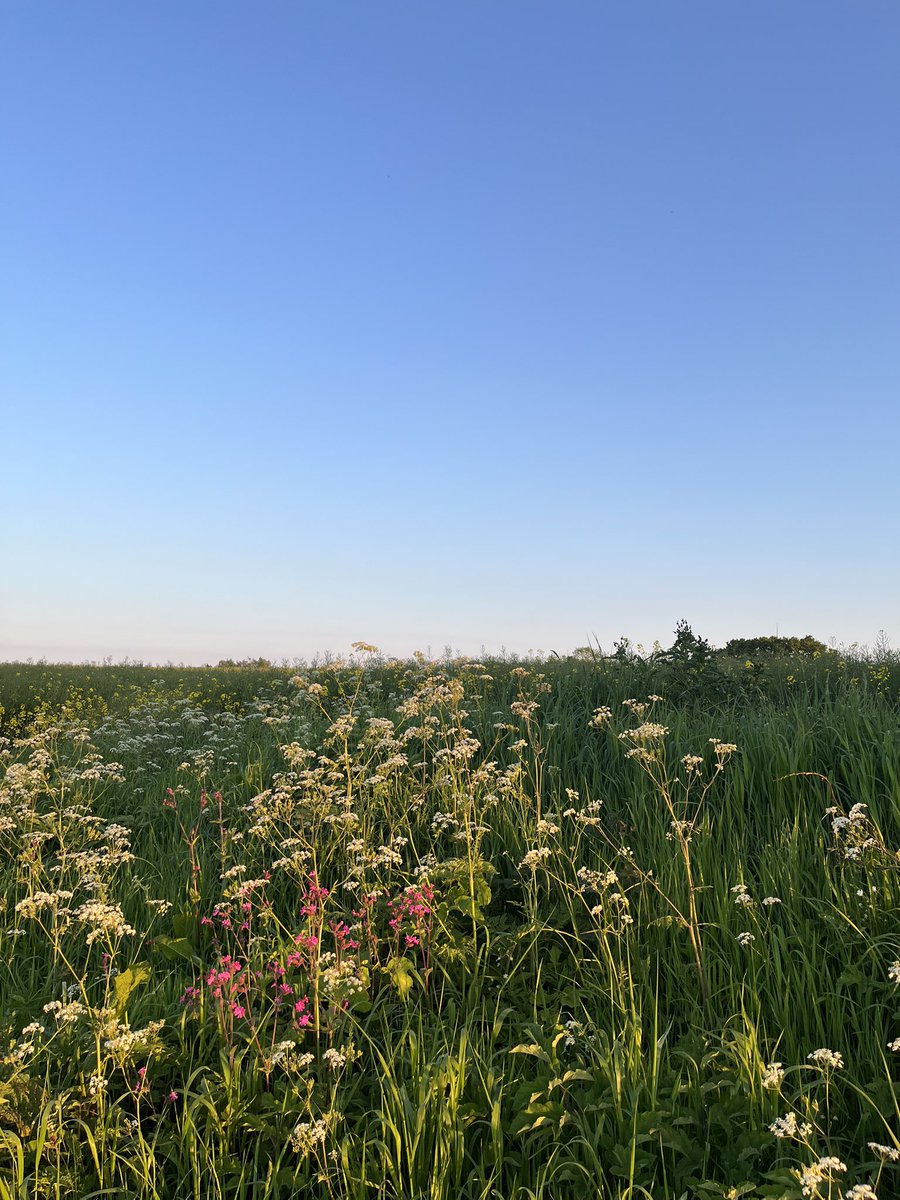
(894, 1045)
(650, 731)
(125, 1042)
(307, 1136)
(822, 1171)
(894, 971)
(535, 858)
(826, 1058)
(97, 1085)
(745, 938)
(105, 920)
(172, 1096)
(301, 1012)
(723, 749)
(65, 1014)
(769, 901)
(32, 905)
(334, 1060)
(786, 1127)
(885, 1153)
(861, 1191)
(773, 1075)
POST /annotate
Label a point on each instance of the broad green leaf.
(126, 981)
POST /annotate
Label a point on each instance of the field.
(605, 926)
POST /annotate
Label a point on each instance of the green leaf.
(126, 981)
(176, 948)
(402, 976)
(533, 1049)
(184, 925)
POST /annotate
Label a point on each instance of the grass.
(446, 929)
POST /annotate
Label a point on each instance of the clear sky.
(502, 324)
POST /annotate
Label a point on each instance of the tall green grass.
(522, 1014)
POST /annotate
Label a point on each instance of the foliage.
(751, 648)
(507, 929)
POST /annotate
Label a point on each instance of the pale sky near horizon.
(484, 325)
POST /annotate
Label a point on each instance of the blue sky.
(503, 324)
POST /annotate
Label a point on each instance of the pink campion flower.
(412, 941)
(301, 1015)
(238, 1011)
(190, 996)
(342, 936)
(172, 1097)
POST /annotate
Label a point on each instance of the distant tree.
(689, 671)
(688, 647)
(244, 664)
(770, 647)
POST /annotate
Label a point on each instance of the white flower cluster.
(789, 1127)
(773, 1076)
(535, 858)
(37, 901)
(861, 1191)
(66, 1013)
(104, 919)
(307, 1135)
(830, 1059)
(125, 1042)
(886, 1153)
(821, 1171)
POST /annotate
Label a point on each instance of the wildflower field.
(600, 927)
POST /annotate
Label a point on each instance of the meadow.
(608, 926)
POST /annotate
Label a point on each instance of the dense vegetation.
(611, 926)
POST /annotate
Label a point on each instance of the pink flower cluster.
(228, 983)
(411, 916)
